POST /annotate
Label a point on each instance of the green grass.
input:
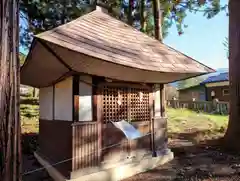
(29, 118)
(205, 126)
(195, 126)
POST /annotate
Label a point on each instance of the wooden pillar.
(152, 115)
(97, 114)
(162, 101)
(75, 117)
(76, 103)
(159, 124)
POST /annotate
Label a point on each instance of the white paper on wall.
(157, 103)
(46, 103)
(85, 102)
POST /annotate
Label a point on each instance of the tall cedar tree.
(233, 130)
(130, 11)
(157, 13)
(10, 154)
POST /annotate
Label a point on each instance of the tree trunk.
(10, 155)
(157, 13)
(233, 130)
(63, 16)
(143, 16)
(130, 9)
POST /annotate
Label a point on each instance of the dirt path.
(194, 163)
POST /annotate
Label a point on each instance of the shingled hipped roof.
(101, 45)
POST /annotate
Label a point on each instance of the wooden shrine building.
(94, 70)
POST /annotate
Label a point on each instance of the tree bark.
(157, 13)
(143, 16)
(10, 155)
(130, 9)
(63, 16)
(233, 130)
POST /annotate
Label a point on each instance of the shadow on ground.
(204, 161)
(31, 169)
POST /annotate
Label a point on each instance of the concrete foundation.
(113, 172)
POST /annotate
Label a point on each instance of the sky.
(202, 39)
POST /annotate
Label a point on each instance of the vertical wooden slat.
(73, 148)
(84, 146)
(90, 152)
(90, 132)
(79, 147)
(87, 130)
(87, 139)
(53, 103)
(81, 153)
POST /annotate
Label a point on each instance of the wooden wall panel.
(55, 143)
(85, 145)
(218, 93)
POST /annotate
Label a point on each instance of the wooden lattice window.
(139, 109)
(126, 103)
(111, 109)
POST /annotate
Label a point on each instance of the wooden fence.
(203, 106)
